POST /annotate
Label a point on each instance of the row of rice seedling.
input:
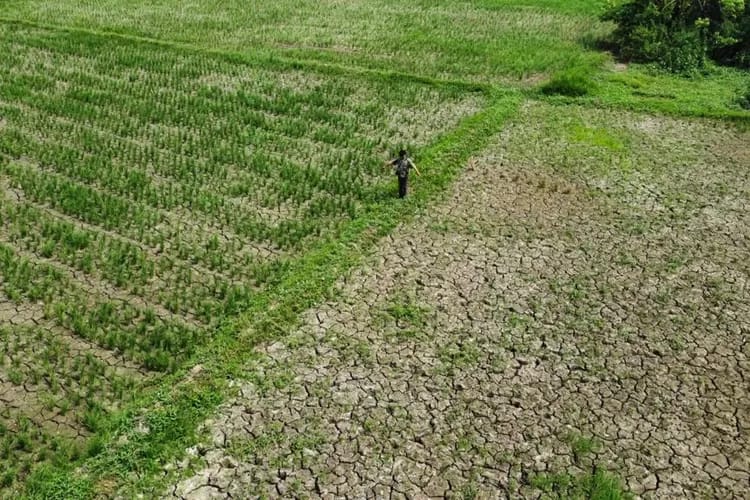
(119, 261)
(157, 229)
(320, 187)
(328, 103)
(92, 150)
(181, 291)
(79, 200)
(137, 333)
(297, 184)
(174, 250)
(131, 165)
(24, 443)
(225, 114)
(62, 378)
(114, 208)
(174, 284)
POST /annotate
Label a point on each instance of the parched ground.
(579, 300)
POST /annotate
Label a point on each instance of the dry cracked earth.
(578, 300)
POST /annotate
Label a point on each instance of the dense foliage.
(681, 35)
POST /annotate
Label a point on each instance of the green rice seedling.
(64, 405)
(93, 415)
(94, 446)
(7, 478)
(157, 360)
(22, 441)
(53, 382)
(15, 377)
(75, 399)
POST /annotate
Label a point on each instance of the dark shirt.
(401, 166)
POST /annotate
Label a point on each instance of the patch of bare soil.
(23, 401)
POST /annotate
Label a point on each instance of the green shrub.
(744, 99)
(679, 35)
(732, 37)
(685, 53)
(575, 82)
(740, 51)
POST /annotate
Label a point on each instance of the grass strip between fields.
(622, 101)
(133, 446)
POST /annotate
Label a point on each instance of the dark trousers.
(402, 186)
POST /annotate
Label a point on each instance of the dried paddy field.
(579, 300)
(207, 288)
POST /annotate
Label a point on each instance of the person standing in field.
(401, 167)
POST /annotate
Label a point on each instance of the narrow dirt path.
(532, 324)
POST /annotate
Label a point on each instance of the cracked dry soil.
(534, 304)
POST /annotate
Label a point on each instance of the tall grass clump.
(598, 484)
(571, 82)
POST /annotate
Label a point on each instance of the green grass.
(48, 482)
(406, 318)
(477, 41)
(581, 445)
(458, 355)
(715, 94)
(598, 485)
(597, 136)
(571, 82)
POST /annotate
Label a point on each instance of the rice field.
(147, 196)
(182, 183)
(481, 41)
